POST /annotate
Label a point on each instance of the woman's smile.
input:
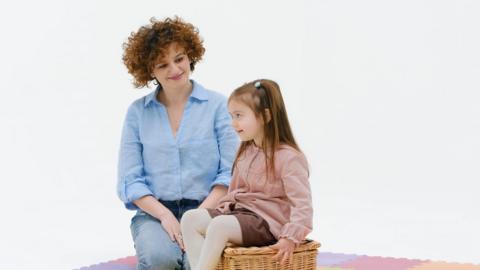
(176, 77)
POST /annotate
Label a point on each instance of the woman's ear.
(268, 116)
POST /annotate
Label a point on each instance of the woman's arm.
(215, 195)
(131, 183)
(227, 141)
(153, 207)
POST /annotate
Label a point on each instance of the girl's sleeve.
(131, 184)
(294, 175)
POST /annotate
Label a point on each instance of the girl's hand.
(172, 226)
(285, 249)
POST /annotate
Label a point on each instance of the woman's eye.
(180, 59)
(162, 66)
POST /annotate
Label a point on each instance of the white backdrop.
(383, 97)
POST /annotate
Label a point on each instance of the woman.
(177, 144)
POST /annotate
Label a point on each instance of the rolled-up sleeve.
(131, 184)
(297, 189)
(228, 142)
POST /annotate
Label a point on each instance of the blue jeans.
(153, 246)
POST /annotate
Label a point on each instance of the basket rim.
(234, 251)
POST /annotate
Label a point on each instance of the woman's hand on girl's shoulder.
(285, 249)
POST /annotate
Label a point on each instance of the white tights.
(205, 238)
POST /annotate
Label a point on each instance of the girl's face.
(245, 123)
(173, 71)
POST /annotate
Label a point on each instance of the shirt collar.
(198, 93)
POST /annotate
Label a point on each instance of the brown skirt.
(255, 230)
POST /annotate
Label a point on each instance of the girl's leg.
(194, 223)
(222, 229)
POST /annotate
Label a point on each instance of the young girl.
(269, 198)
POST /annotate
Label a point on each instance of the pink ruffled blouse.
(285, 201)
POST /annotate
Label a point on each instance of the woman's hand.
(172, 226)
(154, 208)
(285, 249)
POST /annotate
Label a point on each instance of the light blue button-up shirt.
(187, 166)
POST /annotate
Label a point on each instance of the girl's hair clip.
(257, 85)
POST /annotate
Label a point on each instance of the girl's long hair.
(265, 99)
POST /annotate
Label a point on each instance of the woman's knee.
(153, 246)
(156, 259)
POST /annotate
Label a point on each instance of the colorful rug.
(330, 261)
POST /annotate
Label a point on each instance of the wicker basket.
(260, 258)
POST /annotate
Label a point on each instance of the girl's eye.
(237, 115)
(162, 66)
(180, 59)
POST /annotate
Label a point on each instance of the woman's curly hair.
(150, 43)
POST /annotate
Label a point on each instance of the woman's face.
(173, 71)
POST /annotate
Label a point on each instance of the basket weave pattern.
(260, 258)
